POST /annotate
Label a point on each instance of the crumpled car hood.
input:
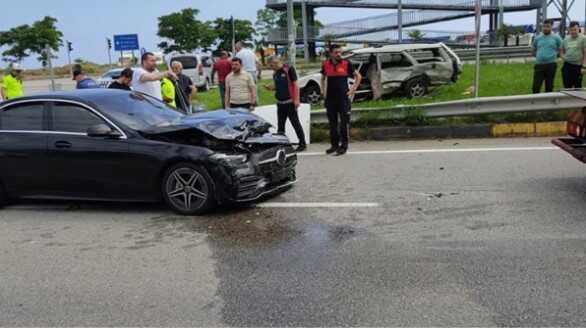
(232, 124)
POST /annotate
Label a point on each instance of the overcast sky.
(88, 25)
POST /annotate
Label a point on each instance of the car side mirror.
(102, 130)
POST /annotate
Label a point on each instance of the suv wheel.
(188, 189)
(416, 88)
(311, 94)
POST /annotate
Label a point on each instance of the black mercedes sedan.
(125, 146)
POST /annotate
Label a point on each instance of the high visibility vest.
(168, 92)
(12, 87)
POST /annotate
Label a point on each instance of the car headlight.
(234, 159)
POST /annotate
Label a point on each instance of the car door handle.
(62, 144)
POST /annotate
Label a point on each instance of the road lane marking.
(428, 151)
(316, 205)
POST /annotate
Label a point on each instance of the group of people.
(548, 46)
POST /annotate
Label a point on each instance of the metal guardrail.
(495, 53)
(412, 4)
(491, 105)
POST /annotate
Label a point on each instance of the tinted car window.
(188, 62)
(137, 111)
(72, 118)
(24, 117)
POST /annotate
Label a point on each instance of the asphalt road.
(452, 233)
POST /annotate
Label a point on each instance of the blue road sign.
(126, 42)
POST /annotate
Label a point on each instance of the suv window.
(22, 117)
(72, 118)
(188, 62)
(427, 55)
(394, 60)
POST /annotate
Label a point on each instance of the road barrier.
(490, 105)
(494, 53)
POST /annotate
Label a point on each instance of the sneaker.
(331, 150)
(301, 148)
(341, 151)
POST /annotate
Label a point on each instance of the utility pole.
(477, 72)
(305, 30)
(292, 32)
(400, 20)
(564, 22)
(233, 36)
(50, 64)
(501, 24)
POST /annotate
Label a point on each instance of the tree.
(184, 32)
(416, 35)
(506, 31)
(223, 27)
(266, 21)
(24, 40)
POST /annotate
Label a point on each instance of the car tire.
(311, 94)
(416, 88)
(188, 189)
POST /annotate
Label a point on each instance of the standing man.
(186, 88)
(240, 88)
(287, 95)
(124, 81)
(223, 67)
(83, 81)
(248, 58)
(546, 48)
(573, 53)
(11, 84)
(338, 98)
(147, 79)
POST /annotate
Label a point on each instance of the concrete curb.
(546, 129)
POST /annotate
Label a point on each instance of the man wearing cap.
(11, 84)
(124, 81)
(83, 82)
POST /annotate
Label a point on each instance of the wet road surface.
(473, 233)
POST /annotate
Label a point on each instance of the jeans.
(544, 72)
(338, 111)
(572, 75)
(288, 111)
(222, 89)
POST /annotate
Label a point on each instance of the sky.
(88, 25)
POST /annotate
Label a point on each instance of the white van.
(197, 66)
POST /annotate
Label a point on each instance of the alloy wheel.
(418, 90)
(187, 189)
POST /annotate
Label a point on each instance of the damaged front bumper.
(258, 175)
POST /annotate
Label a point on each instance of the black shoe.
(331, 150)
(341, 151)
(301, 148)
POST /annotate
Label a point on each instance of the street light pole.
(291, 31)
(50, 64)
(477, 71)
(305, 30)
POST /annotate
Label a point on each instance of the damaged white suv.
(410, 69)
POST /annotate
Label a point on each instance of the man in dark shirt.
(82, 81)
(124, 81)
(287, 94)
(334, 85)
(186, 89)
(223, 67)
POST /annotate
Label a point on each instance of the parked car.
(109, 77)
(102, 144)
(197, 66)
(408, 68)
(575, 144)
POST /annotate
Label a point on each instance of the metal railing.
(414, 4)
(490, 105)
(495, 53)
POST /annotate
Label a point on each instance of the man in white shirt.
(147, 79)
(248, 58)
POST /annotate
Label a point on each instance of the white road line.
(427, 151)
(316, 205)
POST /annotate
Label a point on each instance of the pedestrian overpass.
(413, 13)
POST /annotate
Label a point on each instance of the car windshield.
(139, 111)
(112, 74)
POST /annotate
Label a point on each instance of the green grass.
(496, 80)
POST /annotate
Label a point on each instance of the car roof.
(85, 96)
(397, 48)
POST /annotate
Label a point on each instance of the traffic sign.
(126, 42)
